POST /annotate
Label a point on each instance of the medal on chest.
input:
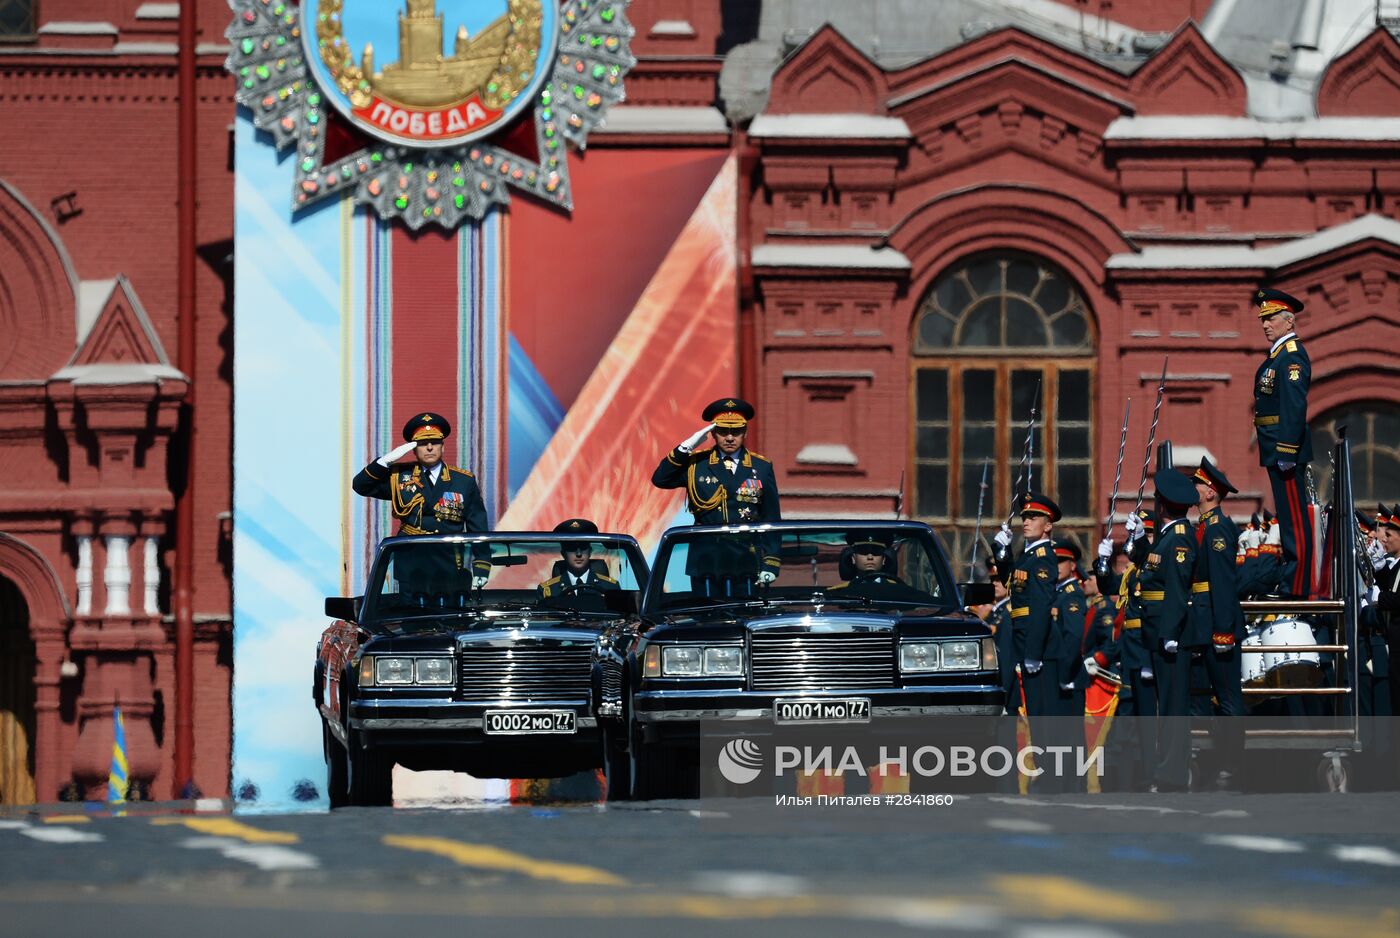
(1266, 381)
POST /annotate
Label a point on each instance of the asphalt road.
(1087, 866)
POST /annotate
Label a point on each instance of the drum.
(1291, 668)
(1253, 669)
(1100, 694)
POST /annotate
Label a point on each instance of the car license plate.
(522, 722)
(822, 710)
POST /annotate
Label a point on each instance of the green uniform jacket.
(1164, 585)
(714, 495)
(1215, 600)
(1032, 598)
(1281, 405)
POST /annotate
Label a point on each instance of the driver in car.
(868, 568)
(577, 573)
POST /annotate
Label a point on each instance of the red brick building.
(933, 217)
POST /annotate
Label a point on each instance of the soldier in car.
(867, 569)
(577, 573)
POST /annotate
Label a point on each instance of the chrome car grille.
(523, 673)
(822, 661)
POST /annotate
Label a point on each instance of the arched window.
(992, 329)
(1373, 427)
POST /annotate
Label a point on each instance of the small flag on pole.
(116, 778)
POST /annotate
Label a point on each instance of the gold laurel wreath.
(519, 59)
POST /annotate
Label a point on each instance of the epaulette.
(838, 586)
(606, 579)
(1042, 552)
(760, 456)
(551, 581)
(1291, 345)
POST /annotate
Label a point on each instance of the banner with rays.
(346, 324)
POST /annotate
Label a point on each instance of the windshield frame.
(949, 598)
(370, 612)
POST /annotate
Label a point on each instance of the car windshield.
(423, 576)
(839, 564)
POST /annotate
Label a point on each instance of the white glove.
(1275, 536)
(1169, 646)
(395, 454)
(1147, 675)
(1134, 526)
(1256, 537)
(1376, 553)
(1091, 666)
(1373, 595)
(1106, 548)
(1069, 686)
(1032, 667)
(695, 439)
(766, 576)
(479, 581)
(1003, 537)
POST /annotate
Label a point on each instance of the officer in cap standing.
(1165, 590)
(1216, 617)
(1285, 443)
(428, 496)
(726, 484)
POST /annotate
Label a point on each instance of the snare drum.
(1253, 669)
(1291, 668)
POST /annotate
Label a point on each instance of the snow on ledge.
(77, 29)
(826, 454)
(848, 256)
(158, 11)
(1249, 128)
(838, 126)
(1227, 256)
(663, 120)
(672, 28)
(118, 374)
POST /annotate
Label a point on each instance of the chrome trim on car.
(449, 723)
(766, 713)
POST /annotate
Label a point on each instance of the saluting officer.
(1216, 617)
(428, 496)
(725, 484)
(1285, 443)
(1165, 590)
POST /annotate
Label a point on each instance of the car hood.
(447, 632)
(713, 623)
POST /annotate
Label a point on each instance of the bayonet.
(1151, 435)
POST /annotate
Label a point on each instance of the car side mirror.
(977, 594)
(346, 608)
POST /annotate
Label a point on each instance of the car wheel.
(617, 772)
(370, 780)
(337, 772)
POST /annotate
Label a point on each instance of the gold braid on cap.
(1269, 307)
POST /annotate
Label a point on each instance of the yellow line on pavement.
(1302, 923)
(67, 819)
(228, 827)
(1060, 896)
(484, 856)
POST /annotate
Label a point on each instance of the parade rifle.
(977, 532)
(1102, 562)
(1151, 436)
(1026, 471)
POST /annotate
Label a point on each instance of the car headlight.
(918, 656)
(989, 653)
(727, 661)
(393, 670)
(961, 656)
(434, 670)
(680, 661)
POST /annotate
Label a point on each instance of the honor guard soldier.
(1285, 443)
(1216, 618)
(1165, 590)
(428, 497)
(1071, 611)
(1034, 633)
(577, 572)
(1139, 690)
(999, 619)
(1375, 698)
(1384, 597)
(725, 484)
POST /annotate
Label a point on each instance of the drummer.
(1217, 617)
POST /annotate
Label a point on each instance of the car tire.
(617, 770)
(370, 782)
(337, 770)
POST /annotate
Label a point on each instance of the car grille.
(516, 673)
(820, 662)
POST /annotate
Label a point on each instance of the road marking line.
(484, 856)
(209, 804)
(1064, 931)
(1018, 825)
(62, 835)
(1250, 842)
(67, 819)
(1057, 896)
(263, 856)
(708, 814)
(1382, 856)
(751, 884)
(228, 827)
(13, 825)
(1304, 923)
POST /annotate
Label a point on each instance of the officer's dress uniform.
(1281, 421)
(1216, 622)
(1000, 619)
(1071, 612)
(1165, 591)
(1036, 637)
(1137, 698)
(566, 582)
(1375, 698)
(737, 488)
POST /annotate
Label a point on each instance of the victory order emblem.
(431, 110)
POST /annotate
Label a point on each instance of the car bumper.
(887, 707)
(455, 722)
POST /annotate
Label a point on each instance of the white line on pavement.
(708, 814)
(1065, 931)
(754, 884)
(1110, 806)
(1017, 825)
(1248, 842)
(62, 835)
(1382, 856)
(12, 825)
(263, 856)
